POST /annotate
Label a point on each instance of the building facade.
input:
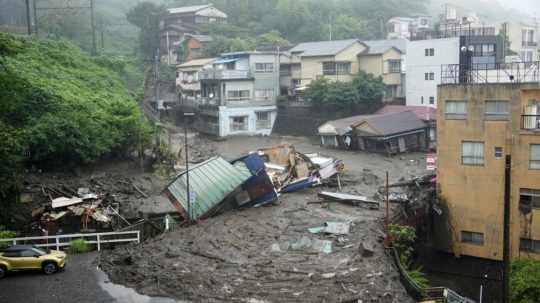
(408, 28)
(238, 94)
(429, 61)
(334, 60)
(478, 125)
(387, 59)
(524, 41)
(187, 78)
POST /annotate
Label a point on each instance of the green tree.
(370, 88)
(146, 16)
(525, 281)
(272, 38)
(346, 27)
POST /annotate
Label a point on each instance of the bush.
(525, 281)
(403, 238)
(79, 246)
(6, 234)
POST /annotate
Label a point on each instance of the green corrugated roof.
(210, 182)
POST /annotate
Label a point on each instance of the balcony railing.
(224, 74)
(516, 72)
(529, 43)
(530, 122)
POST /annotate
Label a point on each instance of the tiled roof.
(381, 46)
(322, 48)
(424, 113)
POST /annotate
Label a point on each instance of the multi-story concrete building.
(408, 28)
(426, 59)
(386, 58)
(187, 78)
(238, 94)
(524, 40)
(480, 121)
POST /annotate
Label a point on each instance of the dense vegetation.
(525, 281)
(60, 106)
(365, 89)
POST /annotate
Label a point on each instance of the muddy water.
(122, 294)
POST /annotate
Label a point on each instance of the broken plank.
(347, 198)
(140, 191)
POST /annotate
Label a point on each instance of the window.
(264, 67)
(472, 237)
(12, 254)
(429, 76)
(336, 68)
(529, 245)
(28, 253)
(264, 94)
(285, 70)
(230, 66)
(263, 120)
(394, 66)
(429, 52)
(534, 157)
(238, 95)
(498, 152)
(432, 100)
(296, 83)
(456, 109)
(529, 199)
(239, 124)
(484, 50)
(472, 153)
(496, 110)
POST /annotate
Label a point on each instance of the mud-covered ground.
(261, 255)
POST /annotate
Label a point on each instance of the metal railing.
(59, 241)
(530, 122)
(515, 72)
(219, 74)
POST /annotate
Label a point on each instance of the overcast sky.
(531, 7)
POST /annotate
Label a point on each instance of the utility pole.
(387, 219)
(102, 32)
(28, 19)
(506, 240)
(35, 17)
(188, 191)
(93, 24)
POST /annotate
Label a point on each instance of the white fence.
(63, 240)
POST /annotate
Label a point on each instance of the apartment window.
(336, 68)
(239, 124)
(484, 50)
(529, 245)
(431, 100)
(529, 199)
(472, 237)
(456, 109)
(534, 157)
(394, 66)
(263, 120)
(498, 152)
(264, 94)
(429, 76)
(472, 153)
(496, 110)
(238, 95)
(264, 67)
(429, 52)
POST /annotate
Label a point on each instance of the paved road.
(80, 282)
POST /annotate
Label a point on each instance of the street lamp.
(188, 193)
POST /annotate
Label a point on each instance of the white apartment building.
(524, 41)
(424, 61)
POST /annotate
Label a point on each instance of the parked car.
(28, 257)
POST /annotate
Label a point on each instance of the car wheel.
(2, 272)
(50, 268)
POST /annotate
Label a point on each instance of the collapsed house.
(393, 131)
(253, 180)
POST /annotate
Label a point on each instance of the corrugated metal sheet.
(210, 183)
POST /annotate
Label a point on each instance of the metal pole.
(35, 17)
(506, 247)
(28, 19)
(387, 219)
(93, 24)
(187, 167)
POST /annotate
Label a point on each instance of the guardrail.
(516, 72)
(530, 122)
(93, 238)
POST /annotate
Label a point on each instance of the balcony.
(530, 122)
(224, 74)
(529, 43)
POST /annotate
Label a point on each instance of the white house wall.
(225, 113)
(446, 52)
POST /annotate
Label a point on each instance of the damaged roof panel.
(210, 183)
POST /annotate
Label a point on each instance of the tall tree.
(146, 16)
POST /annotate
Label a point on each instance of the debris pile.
(250, 181)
